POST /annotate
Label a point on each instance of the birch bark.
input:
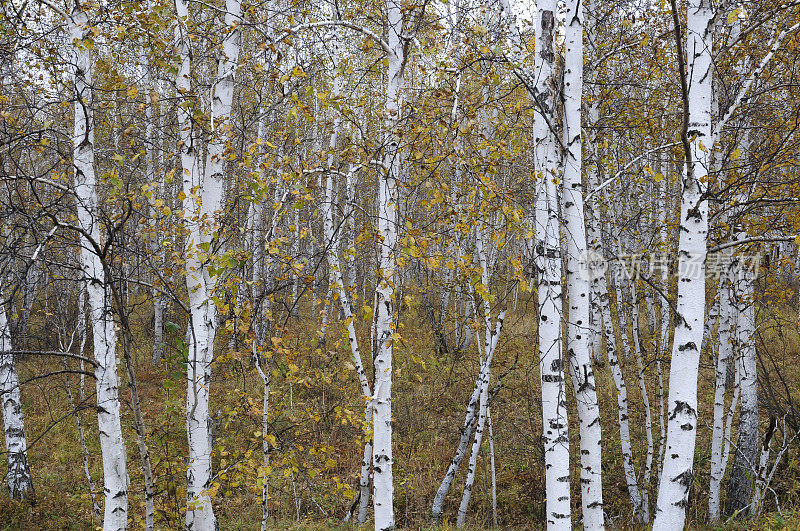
(490, 335)
(203, 199)
(578, 326)
(745, 461)
(548, 264)
(678, 472)
(663, 343)
(648, 417)
(622, 399)
(721, 371)
(383, 488)
(112, 443)
(18, 478)
(337, 282)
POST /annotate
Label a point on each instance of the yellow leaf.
(133, 92)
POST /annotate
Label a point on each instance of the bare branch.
(355, 27)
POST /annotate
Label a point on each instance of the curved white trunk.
(483, 409)
(200, 283)
(490, 344)
(467, 428)
(622, 400)
(112, 443)
(337, 282)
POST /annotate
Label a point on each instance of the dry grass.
(317, 425)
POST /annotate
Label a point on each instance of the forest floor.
(315, 417)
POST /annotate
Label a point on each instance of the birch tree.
(491, 330)
(578, 290)
(541, 84)
(385, 318)
(18, 477)
(202, 191)
(745, 467)
(104, 336)
(336, 272)
(723, 360)
(696, 74)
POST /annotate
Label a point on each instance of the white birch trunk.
(762, 482)
(745, 468)
(112, 443)
(141, 433)
(491, 336)
(265, 379)
(473, 458)
(593, 224)
(548, 264)
(207, 187)
(678, 472)
(492, 468)
(383, 487)
(713, 317)
(151, 166)
(547, 260)
(337, 282)
(622, 315)
(622, 401)
(366, 461)
(483, 405)
(262, 276)
(466, 434)
(18, 478)
(81, 326)
(726, 447)
(578, 326)
(202, 325)
(724, 352)
(551, 364)
(648, 417)
(797, 276)
(663, 344)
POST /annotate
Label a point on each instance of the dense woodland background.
(257, 260)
